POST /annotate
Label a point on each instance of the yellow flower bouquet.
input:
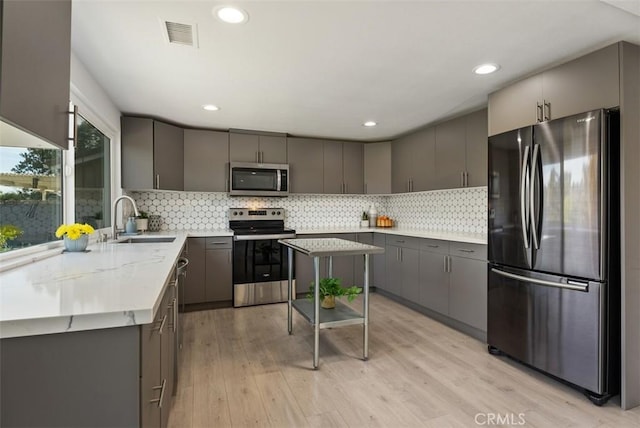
(76, 236)
(74, 231)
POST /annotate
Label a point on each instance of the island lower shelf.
(341, 315)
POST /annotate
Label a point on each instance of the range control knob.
(278, 212)
(235, 213)
(273, 213)
(241, 213)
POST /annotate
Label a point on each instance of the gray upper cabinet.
(305, 165)
(586, 83)
(206, 156)
(251, 147)
(450, 153)
(35, 57)
(461, 151)
(377, 168)
(168, 156)
(152, 154)
(476, 149)
(137, 153)
(413, 162)
(353, 167)
(343, 167)
(332, 160)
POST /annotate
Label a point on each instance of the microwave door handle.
(278, 180)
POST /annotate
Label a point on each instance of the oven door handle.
(263, 237)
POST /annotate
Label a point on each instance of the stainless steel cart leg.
(365, 309)
(316, 316)
(289, 304)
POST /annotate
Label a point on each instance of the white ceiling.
(321, 68)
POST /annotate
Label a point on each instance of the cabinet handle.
(408, 186)
(539, 114)
(466, 251)
(73, 116)
(444, 260)
(157, 181)
(546, 110)
(466, 179)
(411, 185)
(175, 314)
(159, 399)
(433, 246)
(462, 178)
(400, 241)
(162, 323)
(400, 253)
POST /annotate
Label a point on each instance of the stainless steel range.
(260, 264)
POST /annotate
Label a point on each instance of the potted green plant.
(329, 289)
(142, 221)
(364, 220)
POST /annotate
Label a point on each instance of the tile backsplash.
(457, 210)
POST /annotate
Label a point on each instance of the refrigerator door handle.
(524, 208)
(532, 193)
(571, 285)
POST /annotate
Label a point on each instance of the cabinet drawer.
(470, 251)
(218, 242)
(404, 241)
(435, 246)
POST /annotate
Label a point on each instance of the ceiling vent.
(177, 33)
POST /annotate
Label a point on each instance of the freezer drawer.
(558, 330)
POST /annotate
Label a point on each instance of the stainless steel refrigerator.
(553, 271)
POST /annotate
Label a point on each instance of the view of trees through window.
(92, 176)
(30, 196)
(31, 188)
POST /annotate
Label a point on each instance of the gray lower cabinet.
(157, 348)
(206, 157)
(152, 154)
(35, 58)
(306, 168)
(447, 278)
(378, 262)
(219, 272)
(95, 378)
(403, 267)
(210, 271)
(194, 282)
(434, 276)
(468, 291)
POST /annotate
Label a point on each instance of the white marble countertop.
(113, 285)
(471, 238)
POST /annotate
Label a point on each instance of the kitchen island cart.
(342, 314)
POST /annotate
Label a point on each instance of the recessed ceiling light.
(370, 123)
(231, 15)
(486, 68)
(210, 107)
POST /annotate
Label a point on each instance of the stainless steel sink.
(147, 240)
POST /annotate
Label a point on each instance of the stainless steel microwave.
(258, 179)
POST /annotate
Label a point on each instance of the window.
(30, 193)
(92, 176)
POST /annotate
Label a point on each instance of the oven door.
(260, 272)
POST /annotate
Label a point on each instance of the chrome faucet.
(115, 219)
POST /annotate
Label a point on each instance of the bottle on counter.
(373, 215)
(131, 227)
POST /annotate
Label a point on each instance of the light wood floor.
(239, 367)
